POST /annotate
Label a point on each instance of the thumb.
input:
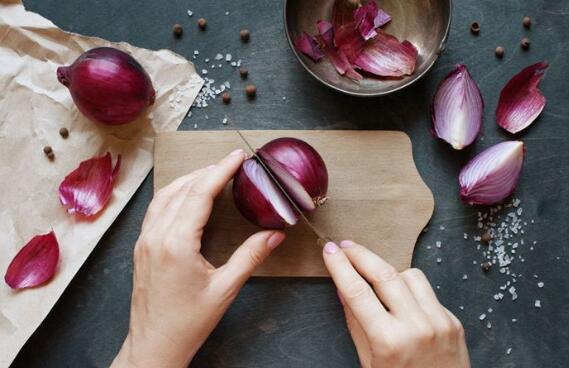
(249, 256)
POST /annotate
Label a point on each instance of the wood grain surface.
(376, 196)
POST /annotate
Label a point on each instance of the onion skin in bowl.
(108, 86)
(300, 171)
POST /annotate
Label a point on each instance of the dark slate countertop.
(299, 322)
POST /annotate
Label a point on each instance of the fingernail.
(346, 243)
(275, 239)
(340, 297)
(330, 248)
(237, 152)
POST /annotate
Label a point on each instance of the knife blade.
(321, 239)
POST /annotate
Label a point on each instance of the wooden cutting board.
(376, 196)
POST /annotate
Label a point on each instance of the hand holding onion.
(178, 296)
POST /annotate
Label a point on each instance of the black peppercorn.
(251, 90)
(527, 22)
(486, 237)
(243, 72)
(226, 98)
(245, 35)
(475, 28)
(486, 266)
(525, 43)
(177, 30)
(47, 150)
(202, 23)
(64, 133)
(500, 52)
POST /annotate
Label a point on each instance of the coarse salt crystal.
(190, 13)
(442, 227)
(438, 243)
(228, 57)
(439, 260)
(540, 284)
(537, 303)
(218, 57)
(465, 277)
(482, 317)
(509, 351)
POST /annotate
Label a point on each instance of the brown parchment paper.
(33, 107)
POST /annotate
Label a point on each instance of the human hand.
(397, 322)
(178, 296)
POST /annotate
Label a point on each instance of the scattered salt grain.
(442, 228)
(195, 126)
(461, 307)
(509, 351)
(482, 317)
(438, 243)
(218, 57)
(540, 284)
(537, 303)
(465, 277)
(228, 57)
(514, 320)
(190, 13)
(439, 260)
(489, 325)
(226, 13)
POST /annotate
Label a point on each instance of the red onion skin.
(108, 86)
(253, 205)
(303, 162)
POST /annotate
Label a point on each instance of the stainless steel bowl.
(425, 23)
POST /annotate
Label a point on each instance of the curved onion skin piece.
(369, 17)
(35, 263)
(336, 56)
(259, 200)
(385, 56)
(521, 101)
(306, 44)
(349, 41)
(343, 11)
(88, 188)
(492, 175)
(300, 170)
(108, 86)
(457, 109)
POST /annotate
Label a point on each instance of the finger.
(358, 334)
(247, 258)
(386, 281)
(357, 294)
(164, 196)
(425, 296)
(218, 177)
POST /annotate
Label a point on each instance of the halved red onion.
(368, 18)
(35, 263)
(108, 85)
(492, 175)
(300, 171)
(457, 108)
(88, 188)
(306, 44)
(385, 56)
(259, 200)
(521, 101)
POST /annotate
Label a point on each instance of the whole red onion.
(108, 85)
(300, 171)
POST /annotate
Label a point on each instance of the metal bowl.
(425, 23)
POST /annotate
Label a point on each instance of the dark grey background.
(298, 322)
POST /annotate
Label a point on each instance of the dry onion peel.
(88, 188)
(385, 56)
(521, 101)
(359, 43)
(457, 109)
(35, 263)
(308, 46)
(493, 174)
(368, 18)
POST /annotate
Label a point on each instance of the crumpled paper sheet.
(33, 107)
